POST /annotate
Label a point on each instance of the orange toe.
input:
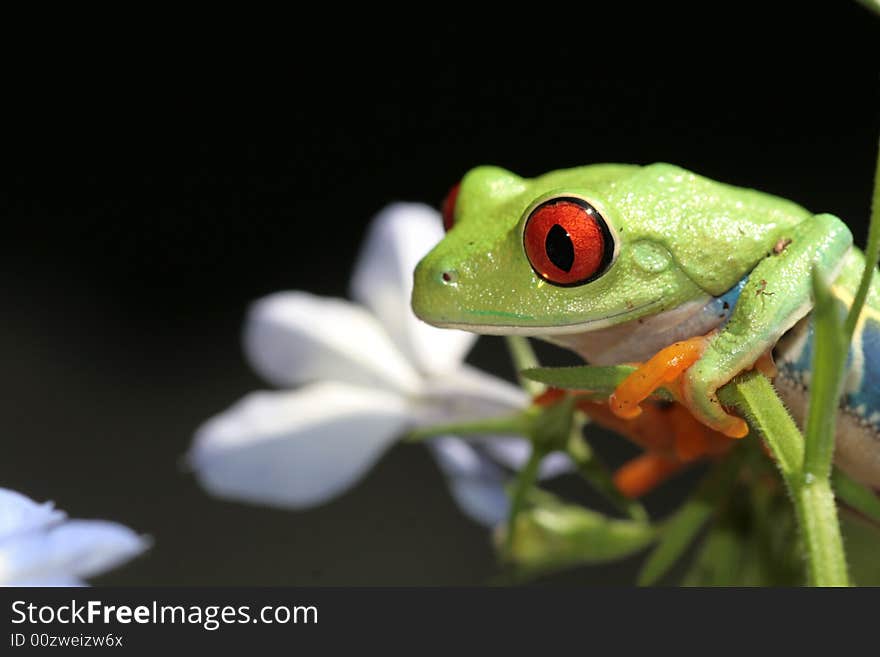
(664, 367)
(734, 427)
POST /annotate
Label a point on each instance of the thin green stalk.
(754, 395)
(524, 358)
(811, 495)
(872, 255)
(816, 512)
(517, 424)
(525, 480)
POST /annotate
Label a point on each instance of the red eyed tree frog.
(695, 279)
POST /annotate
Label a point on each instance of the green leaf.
(555, 536)
(680, 530)
(859, 497)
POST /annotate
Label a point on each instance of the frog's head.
(549, 255)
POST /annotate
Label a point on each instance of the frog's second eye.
(448, 207)
(567, 241)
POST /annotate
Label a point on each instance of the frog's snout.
(434, 291)
(435, 273)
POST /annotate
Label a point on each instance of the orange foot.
(671, 437)
(665, 369)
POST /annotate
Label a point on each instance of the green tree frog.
(654, 264)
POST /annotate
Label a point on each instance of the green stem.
(811, 495)
(524, 358)
(872, 255)
(816, 512)
(754, 395)
(506, 425)
(524, 481)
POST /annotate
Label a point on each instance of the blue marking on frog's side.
(861, 393)
(865, 399)
(724, 305)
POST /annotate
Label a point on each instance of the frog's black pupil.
(559, 248)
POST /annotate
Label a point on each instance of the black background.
(148, 197)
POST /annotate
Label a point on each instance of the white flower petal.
(296, 337)
(297, 449)
(468, 394)
(76, 548)
(55, 582)
(476, 483)
(20, 514)
(398, 238)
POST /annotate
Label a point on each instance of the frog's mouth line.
(536, 330)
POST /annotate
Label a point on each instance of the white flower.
(40, 546)
(365, 373)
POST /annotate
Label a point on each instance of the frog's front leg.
(777, 295)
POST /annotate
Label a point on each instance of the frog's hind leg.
(671, 437)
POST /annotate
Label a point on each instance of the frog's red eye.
(448, 207)
(568, 242)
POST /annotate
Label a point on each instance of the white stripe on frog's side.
(639, 339)
(856, 373)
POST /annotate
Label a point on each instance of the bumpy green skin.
(681, 238)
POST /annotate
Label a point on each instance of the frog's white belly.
(639, 339)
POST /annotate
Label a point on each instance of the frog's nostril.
(449, 276)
